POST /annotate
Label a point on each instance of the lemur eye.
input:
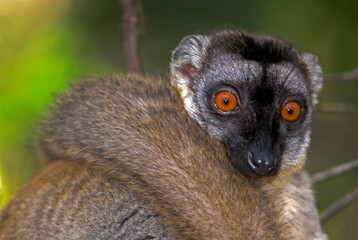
(225, 101)
(291, 111)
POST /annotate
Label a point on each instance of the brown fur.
(70, 200)
(130, 136)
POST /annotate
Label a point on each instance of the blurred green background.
(44, 45)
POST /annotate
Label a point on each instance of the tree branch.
(334, 171)
(130, 33)
(340, 204)
(343, 77)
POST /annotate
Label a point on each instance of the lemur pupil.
(226, 101)
(290, 111)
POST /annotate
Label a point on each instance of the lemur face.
(255, 94)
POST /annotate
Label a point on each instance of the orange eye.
(291, 111)
(225, 101)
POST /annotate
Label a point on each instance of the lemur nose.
(261, 164)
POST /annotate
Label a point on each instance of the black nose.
(262, 164)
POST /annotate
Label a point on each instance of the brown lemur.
(127, 162)
(255, 94)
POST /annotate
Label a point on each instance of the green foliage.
(34, 67)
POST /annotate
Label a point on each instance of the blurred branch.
(335, 107)
(130, 33)
(340, 204)
(334, 171)
(343, 77)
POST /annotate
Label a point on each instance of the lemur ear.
(315, 74)
(187, 60)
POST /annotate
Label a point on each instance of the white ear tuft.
(187, 60)
(315, 74)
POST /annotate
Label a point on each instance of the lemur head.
(256, 94)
